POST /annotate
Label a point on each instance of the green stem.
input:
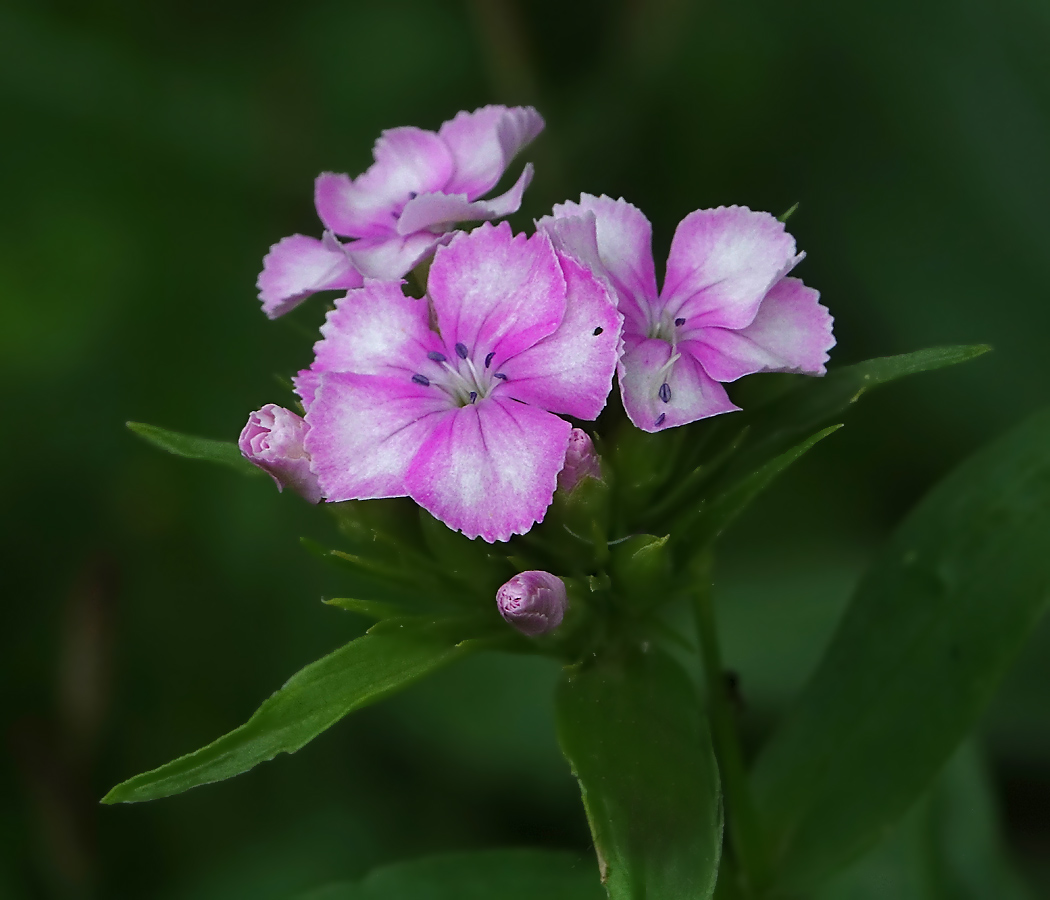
(745, 829)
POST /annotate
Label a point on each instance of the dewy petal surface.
(722, 263)
(365, 431)
(408, 161)
(484, 142)
(496, 292)
(791, 333)
(298, 266)
(376, 330)
(625, 245)
(691, 393)
(444, 209)
(490, 470)
(570, 371)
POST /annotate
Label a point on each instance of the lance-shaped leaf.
(224, 452)
(485, 875)
(780, 423)
(931, 630)
(633, 731)
(393, 654)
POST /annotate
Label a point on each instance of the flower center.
(464, 381)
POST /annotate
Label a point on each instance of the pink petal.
(691, 393)
(365, 431)
(443, 210)
(791, 333)
(298, 266)
(496, 292)
(484, 142)
(625, 244)
(722, 263)
(570, 371)
(490, 469)
(408, 161)
(273, 440)
(376, 330)
(393, 257)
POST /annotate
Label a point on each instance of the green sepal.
(475, 564)
(372, 609)
(631, 726)
(225, 453)
(642, 570)
(575, 530)
(393, 654)
(931, 629)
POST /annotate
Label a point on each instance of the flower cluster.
(457, 398)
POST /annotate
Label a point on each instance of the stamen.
(660, 420)
(473, 396)
(597, 331)
(665, 392)
(499, 375)
(473, 371)
(461, 351)
(679, 322)
(412, 195)
(488, 359)
(421, 379)
(436, 357)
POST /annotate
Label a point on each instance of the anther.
(421, 379)
(436, 357)
(597, 331)
(499, 375)
(461, 351)
(412, 195)
(679, 322)
(473, 396)
(665, 392)
(660, 420)
(488, 359)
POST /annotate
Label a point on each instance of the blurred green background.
(153, 151)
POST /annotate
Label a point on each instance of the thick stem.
(745, 829)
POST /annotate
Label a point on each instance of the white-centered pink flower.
(455, 399)
(399, 211)
(726, 309)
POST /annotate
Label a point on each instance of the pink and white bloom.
(726, 309)
(398, 212)
(454, 399)
(273, 441)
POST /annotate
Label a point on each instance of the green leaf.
(641, 568)
(702, 525)
(485, 875)
(224, 452)
(777, 425)
(632, 729)
(392, 655)
(932, 628)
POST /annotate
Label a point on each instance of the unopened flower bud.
(580, 461)
(533, 602)
(273, 440)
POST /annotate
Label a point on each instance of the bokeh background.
(151, 154)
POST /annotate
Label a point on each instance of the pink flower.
(273, 440)
(400, 210)
(533, 602)
(726, 309)
(462, 417)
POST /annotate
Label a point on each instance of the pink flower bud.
(533, 602)
(580, 461)
(273, 440)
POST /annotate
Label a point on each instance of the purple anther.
(665, 392)
(436, 357)
(412, 195)
(660, 420)
(597, 331)
(473, 396)
(679, 322)
(421, 379)
(499, 375)
(533, 602)
(488, 359)
(461, 351)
